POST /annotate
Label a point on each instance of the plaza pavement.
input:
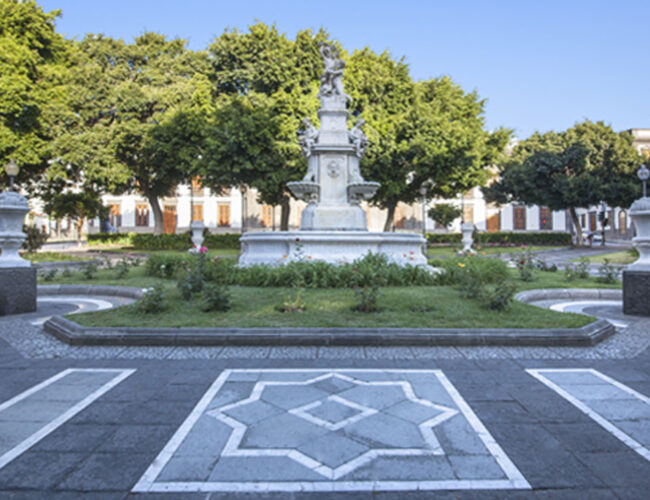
(183, 422)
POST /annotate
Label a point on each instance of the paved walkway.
(324, 423)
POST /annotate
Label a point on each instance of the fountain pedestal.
(17, 276)
(636, 278)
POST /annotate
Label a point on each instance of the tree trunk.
(285, 210)
(577, 226)
(390, 216)
(80, 225)
(158, 223)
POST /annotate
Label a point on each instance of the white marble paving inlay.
(617, 408)
(331, 430)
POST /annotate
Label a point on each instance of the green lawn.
(255, 307)
(451, 251)
(55, 257)
(624, 257)
(223, 252)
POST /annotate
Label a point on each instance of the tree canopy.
(33, 64)
(579, 167)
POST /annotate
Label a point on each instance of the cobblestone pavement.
(115, 422)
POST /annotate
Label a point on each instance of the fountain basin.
(335, 247)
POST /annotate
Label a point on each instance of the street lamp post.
(12, 169)
(644, 175)
(603, 222)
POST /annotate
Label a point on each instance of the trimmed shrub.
(304, 273)
(149, 241)
(505, 238)
(466, 271)
(35, 238)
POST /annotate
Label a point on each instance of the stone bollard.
(467, 229)
(17, 276)
(197, 228)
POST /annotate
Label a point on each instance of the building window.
(494, 222)
(519, 218)
(468, 214)
(545, 218)
(169, 219)
(142, 215)
(592, 221)
(197, 187)
(622, 222)
(197, 212)
(583, 221)
(267, 216)
(223, 215)
(115, 216)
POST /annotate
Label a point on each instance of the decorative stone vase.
(468, 230)
(640, 215)
(13, 208)
(197, 228)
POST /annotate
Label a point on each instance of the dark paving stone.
(76, 437)
(501, 411)
(136, 437)
(588, 437)
(39, 470)
(618, 469)
(107, 471)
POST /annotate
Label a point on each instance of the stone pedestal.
(17, 290)
(636, 292)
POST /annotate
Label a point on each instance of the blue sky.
(541, 65)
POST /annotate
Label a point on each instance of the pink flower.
(203, 250)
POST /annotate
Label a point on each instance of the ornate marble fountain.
(333, 227)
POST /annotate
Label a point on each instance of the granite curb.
(72, 333)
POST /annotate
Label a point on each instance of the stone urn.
(467, 229)
(13, 208)
(640, 215)
(197, 228)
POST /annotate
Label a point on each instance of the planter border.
(72, 333)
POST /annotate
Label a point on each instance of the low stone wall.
(569, 294)
(73, 333)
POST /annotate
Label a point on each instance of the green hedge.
(148, 241)
(505, 238)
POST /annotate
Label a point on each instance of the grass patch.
(221, 252)
(37, 257)
(256, 307)
(624, 257)
(451, 251)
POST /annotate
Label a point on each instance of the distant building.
(228, 210)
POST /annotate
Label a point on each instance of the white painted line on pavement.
(599, 419)
(52, 425)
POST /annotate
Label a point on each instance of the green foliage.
(464, 270)
(50, 274)
(147, 241)
(215, 298)
(429, 130)
(444, 213)
(362, 272)
(35, 238)
(582, 166)
(293, 301)
(525, 264)
(582, 268)
(542, 265)
(152, 301)
(498, 297)
(607, 273)
(367, 297)
(192, 279)
(505, 238)
(33, 66)
(90, 271)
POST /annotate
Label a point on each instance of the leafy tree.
(33, 63)
(423, 132)
(79, 206)
(580, 167)
(119, 93)
(444, 213)
(261, 75)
